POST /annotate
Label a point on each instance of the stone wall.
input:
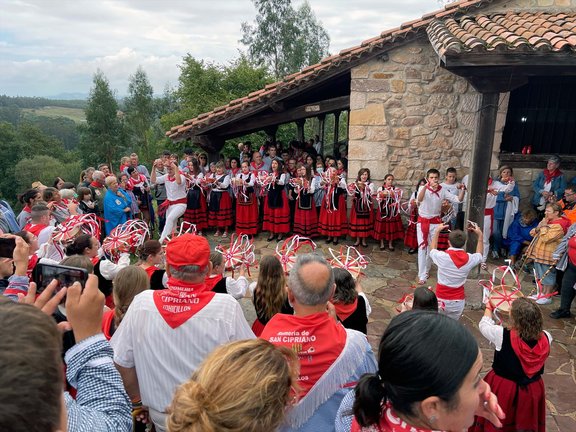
(407, 115)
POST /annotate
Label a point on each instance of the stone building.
(468, 86)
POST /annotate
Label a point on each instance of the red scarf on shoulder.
(551, 175)
(317, 339)
(343, 311)
(389, 422)
(181, 301)
(531, 359)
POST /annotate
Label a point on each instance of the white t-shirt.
(448, 273)
(164, 357)
(174, 191)
(431, 205)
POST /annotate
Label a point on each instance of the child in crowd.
(454, 265)
(217, 282)
(519, 233)
(305, 216)
(86, 204)
(411, 240)
(246, 201)
(220, 206)
(196, 207)
(388, 225)
(276, 207)
(362, 214)
(430, 198)
(452, 186)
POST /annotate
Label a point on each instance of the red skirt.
(334, 223)
(247, 215)
(361, 227)
(306, 221)
(198, 216)
(411, 240)
(524, 406)
(389, 228)
(221, 218)
(277, 220)
(443, 242)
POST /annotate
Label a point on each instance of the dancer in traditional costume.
(411, 239)
(333, 221)
(196, 209)
(362, 214)
(276, 207)
(388, 224)
(305, 215)
(430, 198)
(175, 205)
(516, 375)
(151, 255)
(351, 304)
(454, 265)
(217, 282)
(246, 201)
(220, 206)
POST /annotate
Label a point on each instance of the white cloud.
(54, 46)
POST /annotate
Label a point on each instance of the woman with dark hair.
(28, 199)
(516, 375)
(425, 299)
(234, 166)
(428, 379)
(362, 213)
(151, 255)
(58, 183)
(351, 304)
(58, 209)
(196, 207)
(269, 293)
(305, 215)
(141, 190)
(276, 207)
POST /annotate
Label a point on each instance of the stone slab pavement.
(390, 275)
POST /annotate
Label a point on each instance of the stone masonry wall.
(408, 115)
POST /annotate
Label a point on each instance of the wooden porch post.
(336, 133)
(481, 159)
(271, 133)
(300, 126)
(321, 130)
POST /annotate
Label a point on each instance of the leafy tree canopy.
(284, 39)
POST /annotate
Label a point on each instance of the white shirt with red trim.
(165, 357)
(431, 205)
(449, 273)
(174, 191)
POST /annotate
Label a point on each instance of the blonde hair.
(270, 293)
(129, 282)
(243, 386)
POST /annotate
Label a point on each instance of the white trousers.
(452, 308)
(173, 213)
(424, 261)
(486, 232)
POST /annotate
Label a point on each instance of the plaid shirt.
(547, 239)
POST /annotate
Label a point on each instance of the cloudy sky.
(51, 47)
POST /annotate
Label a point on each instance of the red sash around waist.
(425, 227)
(446, 292)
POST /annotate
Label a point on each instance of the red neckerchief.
(27, 209)
(139, 182)
(563, 221)
(317, 339)
(150, 270)
(234, 171)
(95, 260)
(35, 229)
(435, 192)
(550, 175)
(531, 359)
(345, 310)
(458, 256)
(96, 184)
(389, 422)
(256, 167)
(107, 319)
(181, 301)
(31, 265)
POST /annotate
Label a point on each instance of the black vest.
(507, 365)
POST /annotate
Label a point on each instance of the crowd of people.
(164, 342)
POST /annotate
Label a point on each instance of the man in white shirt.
(166, 334)
(454, 265)
(175, 204)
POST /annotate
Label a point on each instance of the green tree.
(102, 136)
(140, 111)
(32, 141)
(283, 39)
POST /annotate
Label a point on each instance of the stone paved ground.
(392, 274)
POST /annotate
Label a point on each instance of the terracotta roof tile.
(326, 65)
(524, 31)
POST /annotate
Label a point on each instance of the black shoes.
(560, 313)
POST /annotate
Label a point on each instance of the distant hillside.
(75, 114)
(38, 102)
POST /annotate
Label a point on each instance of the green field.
(75, 114)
